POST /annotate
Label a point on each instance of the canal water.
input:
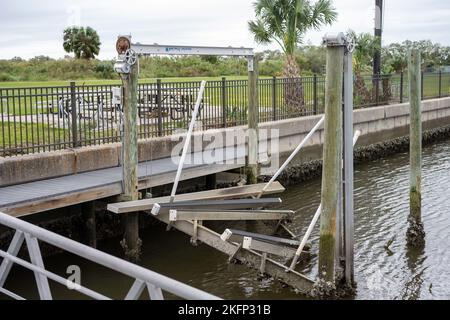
(381, 210)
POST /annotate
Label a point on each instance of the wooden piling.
(131, 242)
(415, 234)
(331, 162)
(252, 118)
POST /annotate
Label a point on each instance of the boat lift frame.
(195, 228)
(129, 52)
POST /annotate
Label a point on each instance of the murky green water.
(381, 204)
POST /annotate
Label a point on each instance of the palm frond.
(259, 31)
(286, 21)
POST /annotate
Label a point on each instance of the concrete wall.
(377, 124)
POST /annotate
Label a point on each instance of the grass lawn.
(28, 84)
(21, 98)
(15, 135)
(16, 138)
(26, 98)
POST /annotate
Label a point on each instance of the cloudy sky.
(29, 28)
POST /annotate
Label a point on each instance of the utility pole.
(378, 34)
(415, 233)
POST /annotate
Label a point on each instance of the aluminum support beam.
(156, 49)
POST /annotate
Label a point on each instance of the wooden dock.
(33, 197)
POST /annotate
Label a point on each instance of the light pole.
(378, 34)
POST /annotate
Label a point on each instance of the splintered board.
(233, 215)
(247, 257)
(227, 193)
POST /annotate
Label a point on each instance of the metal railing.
(39, 119)
(26, 232)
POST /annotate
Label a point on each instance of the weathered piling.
(252, 117)
(415, 233)
(131, 242)
(332, 157)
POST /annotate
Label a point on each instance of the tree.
(394, 57)
(83, 42)
(285, 22)
(40, 59)
(313, 58)
(433, 54)
(365, 49)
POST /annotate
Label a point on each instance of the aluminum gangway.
(144, 279)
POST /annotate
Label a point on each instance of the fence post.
(73, 107)
(252, 118)
(224, 102)
(401, 87)
(332, 157)
(274, 98)
(440, 83)
(315, 93)
(416, 233)
(159, 106)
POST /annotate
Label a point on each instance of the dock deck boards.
(38, 196)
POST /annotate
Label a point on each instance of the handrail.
(31, 232)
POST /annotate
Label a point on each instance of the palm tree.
(366, 46)
(83, 42)
(285, 22)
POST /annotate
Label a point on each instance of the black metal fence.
(41, 119)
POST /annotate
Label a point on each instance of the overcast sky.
(29, 28)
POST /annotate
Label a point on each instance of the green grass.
(236, 97)
(25, 99)
(29, 84)
(430, 85)
(237, 101)
(21, 136)
(15, 135)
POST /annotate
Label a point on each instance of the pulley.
(130, 57)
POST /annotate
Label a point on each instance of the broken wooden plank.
(222, 204)
(238, 235)
(227, 193)
(202, 205)
(266, 247)
(229, 215)
(250, 258)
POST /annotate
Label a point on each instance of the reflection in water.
(381, 211)
(415, 258)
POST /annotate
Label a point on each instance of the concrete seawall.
(377, 124)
